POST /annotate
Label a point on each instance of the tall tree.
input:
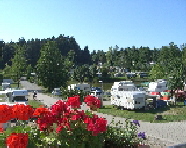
(50, 68)
(18, 67)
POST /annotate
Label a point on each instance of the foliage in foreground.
(64, 125)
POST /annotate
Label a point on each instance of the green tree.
(50, 68)
(83, 73)
(18, 67)
(29, 70)
(93, 70)
(7, 71)
(157, 72)
(176, 78)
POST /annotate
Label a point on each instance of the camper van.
(158, 86)
(125, 95)
(17, 96)
(5, 86)
(80, 86)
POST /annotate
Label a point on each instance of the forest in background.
(52, 59)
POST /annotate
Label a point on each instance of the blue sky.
(96, 23)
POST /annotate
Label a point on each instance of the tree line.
(52, 59)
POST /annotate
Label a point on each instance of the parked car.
(56, 92)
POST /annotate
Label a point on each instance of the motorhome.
(125, 95)
(15, 96)
(80, 86)
(5, 85)
(96, 91)
(158, 86)
(8, 81)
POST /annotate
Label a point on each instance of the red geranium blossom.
(5, 113)
(59, 108)
(96, 125)
(22, 112)
(17, 140)
(93, 102)
(41, 111)
(74, 102)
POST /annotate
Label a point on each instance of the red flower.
(17, 140)
(62, 123)
(41, 111)
(93, 102)
(59, 108)
(59, 129)
(88, 98)
(1, 130)
(78, 115)
(5, 113)
(74, 102)
(96, 125)
(22, 112)
(45, 122)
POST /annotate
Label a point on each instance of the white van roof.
(18, 92)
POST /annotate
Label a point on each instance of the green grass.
(34, 104)
(148, 116)
(15, 85)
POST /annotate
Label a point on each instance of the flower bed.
(64, 125)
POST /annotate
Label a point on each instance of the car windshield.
(19, 98)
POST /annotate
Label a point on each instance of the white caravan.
(125, 95)
(15, 96)
(158, 86)
(80, 86)
(5, 86)
(8, 81)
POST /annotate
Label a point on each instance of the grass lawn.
(15, 85)
(34, 104)
(169, 114)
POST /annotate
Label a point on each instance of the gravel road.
(158, 134)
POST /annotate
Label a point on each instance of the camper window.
(98, 93)
(85, 88)
(19, 98)
(114, 88)
(136, 102)
(120, 89)
(125, 89)
(140, 98)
